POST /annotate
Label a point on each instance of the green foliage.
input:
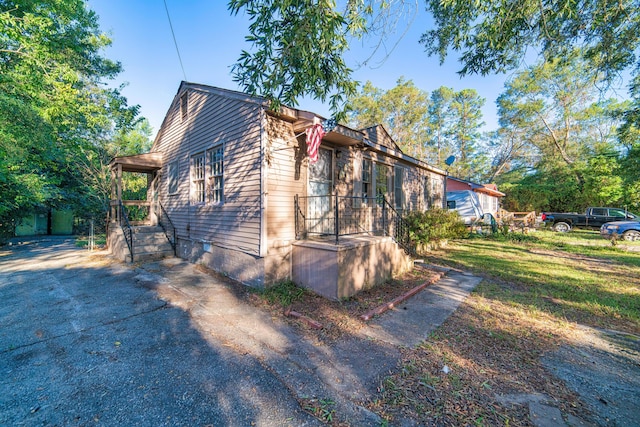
(401, 109)
(284, 293)
(435, 225)
(557, 146)
(55, 113)
(299, 46)
(298, 51)
(494, 36)
(427, 128)
(466, 107)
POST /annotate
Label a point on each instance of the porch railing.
(126, 228)
(168, 227)
(336, 216)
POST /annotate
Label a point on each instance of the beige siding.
(214, 119)
(286, 177)
(348, 175)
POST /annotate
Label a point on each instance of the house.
(233, 187)
(488, 194)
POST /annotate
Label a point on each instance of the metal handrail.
(400, 232)
(126, 228)
(300, 219)
(170, 233)
(347, 215)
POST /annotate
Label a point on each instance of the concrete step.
(149, 243)
(165, 247)
(148, 256)
(142, 229)
(150, 239)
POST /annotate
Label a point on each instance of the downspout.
(263, 185)
(444, 196)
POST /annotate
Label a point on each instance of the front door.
(319, 211)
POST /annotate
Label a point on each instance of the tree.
(494, 36)
(466, 108)
(96, 174)
(298, 50)
(401, 109)
(299, 45)
(554, 122)
(54, 106)
(438, 122)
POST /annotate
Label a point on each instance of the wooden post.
(119, 189)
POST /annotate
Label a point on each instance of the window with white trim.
(366, 179)
(382, 181)
(216, 175)
(184, 106)
(197, 178)
(172, 177)
(398, 188)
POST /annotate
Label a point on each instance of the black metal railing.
(126, 228)
(336, 216)
(167, 226)
(399, 229)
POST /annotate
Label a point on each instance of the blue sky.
(211, 39)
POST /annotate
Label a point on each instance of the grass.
(83, 241)
(575, 276)
(283, 294)
(537, 288)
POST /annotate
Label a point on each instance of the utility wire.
(174, 40)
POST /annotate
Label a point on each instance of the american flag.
(315, 134)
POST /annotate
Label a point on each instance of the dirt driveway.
(81, 345)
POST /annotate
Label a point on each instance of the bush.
(434, 226)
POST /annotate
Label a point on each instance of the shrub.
(435, 225)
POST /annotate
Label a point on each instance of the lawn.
(576, 277)
(537, 289)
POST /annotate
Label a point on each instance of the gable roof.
(374, 137)
(379, 135)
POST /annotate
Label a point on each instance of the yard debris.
(387, 306)
(309, 321)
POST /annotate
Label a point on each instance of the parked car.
(627, 230)
(593, 218)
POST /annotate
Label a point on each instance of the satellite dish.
(450, 160)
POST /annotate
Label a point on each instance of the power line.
(174, 40)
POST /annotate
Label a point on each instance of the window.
(618, 213)
(216, 177)
(382, 181)
(184, 105)
(398, 188)
(599, 212)
(172, 177)
(366, 179)
(427, 192)
(197, 178)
